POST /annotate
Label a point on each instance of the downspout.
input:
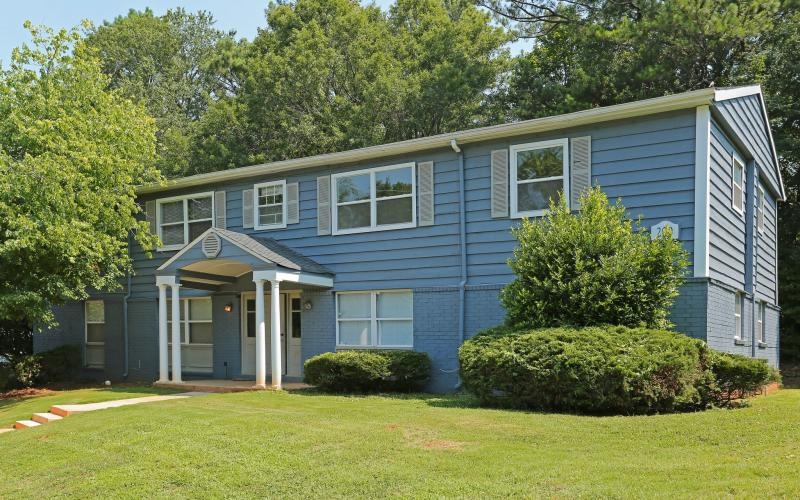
(125, 317)
(463, 246)
(750, 252)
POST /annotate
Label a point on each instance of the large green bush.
(590, 370)
(739, 376)
(61, 364)
(368, 371)
(592, 267)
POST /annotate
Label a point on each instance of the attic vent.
(212, 244)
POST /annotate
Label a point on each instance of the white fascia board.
(644, 107)
(293, 277)
(166, 280)
(702, 187)
(734, 92)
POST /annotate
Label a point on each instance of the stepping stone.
(45, 418)
(24, 424)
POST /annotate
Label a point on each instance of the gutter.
(125, 316)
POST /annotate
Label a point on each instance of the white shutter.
(292, 203)
(220, 210)
(499, 167)
(150, 215)
(324, 204)
(248, 208)
(425, 186)
(580, 168)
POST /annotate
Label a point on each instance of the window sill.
(738, 342)
(169, 248)
(373, 348)
(762, 345)
(269, 228)
(357, 230)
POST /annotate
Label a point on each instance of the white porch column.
(261, 342)
(163, 350)
(275, 322)
(176, 333)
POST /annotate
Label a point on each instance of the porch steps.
(45, 418)
(7, 429)
(24, 424)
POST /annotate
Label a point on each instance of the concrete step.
(7, 429)
(24, 424)
(45, 418)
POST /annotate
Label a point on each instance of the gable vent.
(212, 244)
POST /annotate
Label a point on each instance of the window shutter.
(324, 204)
(580, 168)
(247, 208)
(425, 186)
(292, 203)
(220, 210)
(500, 183)
(150, 215)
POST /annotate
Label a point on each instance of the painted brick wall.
(771, 329)
(436, 332)
(143, 350)
(227, 340)
(482, 308)
(115, 341)
(70, 329)
(721, 323)
(319, 327)
(689, 313)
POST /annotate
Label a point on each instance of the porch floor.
(220, 385)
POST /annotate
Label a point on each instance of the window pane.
(172, 212)
(738, 173)
(352, 188)
(353, 216)
(270, 215)
(295, 304)
(95, 311)
(296, 325)
(200, 309)
(536, 195)
(172, 235)
(396, 333)
(199, 208)
(201, 333)
(251, 325)
(356, 333)
(354, 305)
(538, 163)
(395, 211)
(393, 182)
(95, 332)
(270, 195)
(394, 305)
(198, 228)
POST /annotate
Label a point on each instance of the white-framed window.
(95, 334)
(737, 184)
(196, 322)
(760, 210)
(381, 318)
(374, 199)
(539, 171)
(270, 205)
(760, 321)
(181, 219)
(737, 315)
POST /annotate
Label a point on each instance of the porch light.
(307, 305)
(228, 307)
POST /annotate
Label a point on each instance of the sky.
(244, 16)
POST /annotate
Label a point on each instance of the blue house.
(404, 245)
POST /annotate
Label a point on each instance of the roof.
(643, 107)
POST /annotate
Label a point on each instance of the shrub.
(368, 371)
(27, 371)
(60, 364)
(6, 376)
(592, 267)
(590, 370)
(739, 376)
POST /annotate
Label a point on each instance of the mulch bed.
(24, 393)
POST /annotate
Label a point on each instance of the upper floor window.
(183, 218)
(760, 210)
(737, 315)
(375, 319)
(270, 205)
(539, 171)
(737, 184)
(374, 199)
(95, 340)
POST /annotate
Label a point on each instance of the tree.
(594, 267)
(71, 154)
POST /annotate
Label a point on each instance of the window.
(250, 311)
(737, 316)
(375, 199)
(737, 184)
(95, 340)
(762, 334)
(182, 219)
(270, 205)
(374, 319)
(538, 173)
(296, 318)
(196, 324)
(760, 210)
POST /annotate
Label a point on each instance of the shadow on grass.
(9, 399)
(457, 400)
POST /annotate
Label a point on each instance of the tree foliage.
(71, 152)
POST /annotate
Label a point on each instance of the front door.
(290, 349)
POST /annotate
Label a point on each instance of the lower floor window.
(95, 334)
(762, 334)
(375, 319)
(195, 320)
(737, 315)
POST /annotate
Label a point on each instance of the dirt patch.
(425, 439)
(24, 393)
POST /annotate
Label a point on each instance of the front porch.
(224, 385)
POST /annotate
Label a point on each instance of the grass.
(313, 445)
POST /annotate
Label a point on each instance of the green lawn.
(310, 445)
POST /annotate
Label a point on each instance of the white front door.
(291, 348)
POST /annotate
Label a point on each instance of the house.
(404, 245)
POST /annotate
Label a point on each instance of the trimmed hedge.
(597, 370)
(739, 376)
(368, 371)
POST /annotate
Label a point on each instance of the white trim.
(293, 277)
(734, 92)
(761, 333)
(644, 107)
(373, 200)
(738, 317)
(186, 322)
(531, 146)
(702, 162)
(735, 160)
(185, 222)
(373, 319)
(256, 219)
